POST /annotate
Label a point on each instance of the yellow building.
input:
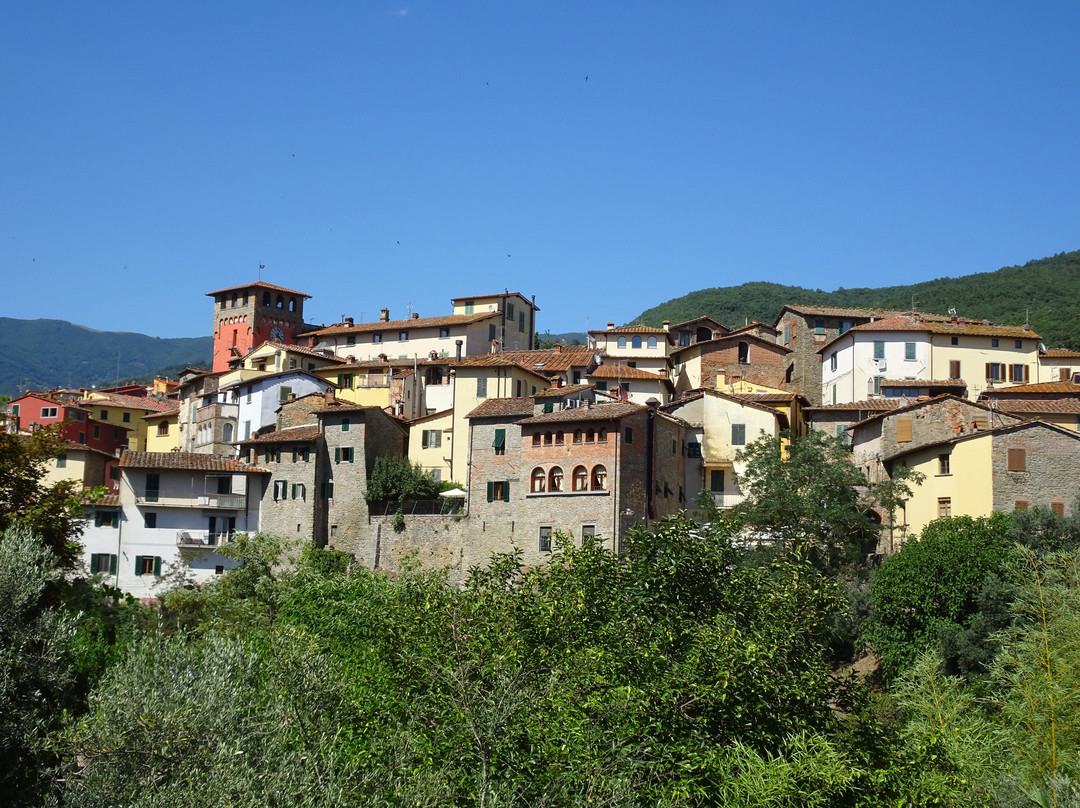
(162, 431)
(126, 411)
(430, 439)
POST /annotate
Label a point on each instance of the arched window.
(292, 304)
(560, 438)
(280, 302)
(581, 479)
(744, 353)
(590, 436)
(266, 299)
(652, 342)
(578, 436)
(536, 439)
(226, 433)
(547, 438)
(635, 342)
(603, 436)
(555, 479)
(539, 479)
(599, 478)
(621, 342)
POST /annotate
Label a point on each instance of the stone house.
(637, 346)
(976, 473)
(743, 354)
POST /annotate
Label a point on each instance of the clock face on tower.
(277, 333)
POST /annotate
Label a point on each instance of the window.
(521, 321)
(61, 461)
(819, 326)
(481, 387)
(343, 454)
(153, 485)
(599, 478)
(628, 435)
(674, 446)
(995, 371)
(499, 444)
(125, 417)
(832, 363)
(588, 531)
(226, 433)
(954, 341)
(15, 410)
(909, 351)
(350, 339)
(580, 480)
(954, 368)
(1021, 505)
(903, 429)
(148, 565)
(150, 520)
(48, 412)
(744, 353)
(470, 307)
(103, 415)
(845, 326)
(693, 449)
(431, 439)
(994, 342)
(545, 540)
(102, 563)
(560, 438)
(492, 333)
(547, 438)
(345, 381)
(944, 507)
(163, 429)
(549, 406)
(738, 434)
(498, 490)
(943, 464)
(651, 343)
(590, 436)
(536, 439)
(716, 481)
(555, 480)
(1018, 373)
(635, 342)
(436, 475)
(284, 393)
(602, 436)
(576, 377)
(345, 424)
(281, 490)
(877, 384)
(879, 349)
(1017, 460)
(299, 491)
(376, 337)
(107, 519)
(328, 489)
(621, 342)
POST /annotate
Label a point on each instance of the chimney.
(349, 321)
(416, 315)
(384, 315)
(557, 347)
(329, 397)
(667, 325)
(457, 350)
(610, 326)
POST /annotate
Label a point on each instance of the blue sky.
(379, 154)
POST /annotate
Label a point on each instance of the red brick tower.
(249, 315)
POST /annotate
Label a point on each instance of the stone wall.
(295, 514)
(1052, 467)
(766, 365)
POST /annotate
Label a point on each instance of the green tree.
(395, 478)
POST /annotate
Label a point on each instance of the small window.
(580, 480)
(376, 337)
(345, 424)
(125, 417)
(1018, 344)
(943, 464)
(1021, 505)
(909, 351)
(150, 520)
(651, 343)
(819, 326)
(944, 507)
(61, 461)
(481, 387)
(954, 368)
(628, 435)
(693, 449)
(148, 565)
(163, 429)
(954, 340)
(579, 436)
(103, 415)
(432, 439)
(537, 439)
(738, 434)
(601, 437)
(1017, 460)
(716, 481)
(547, 438)
(879, 349)
(744, 353)
(284, 392)
(599, 478)
(1058, 508)
(403, 336)
(994, 342)
(499, 444)
(492, 333)
(635, 342)
(539, 481)
(588, 531)
(555, 480)
(621, 342)
(545, 540)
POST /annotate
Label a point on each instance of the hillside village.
(283, 432)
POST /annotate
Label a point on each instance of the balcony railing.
(232, 502)
(219, 410)
(203, 538)
(725, 500)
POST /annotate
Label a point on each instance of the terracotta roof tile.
(403, 325)
(297, 349)
(629, 329)
(869, 404)
(598, 412)
(552, 361)
(1060, 353)
(1060, 406)
(615, 371)
(1039, 387)
(559, 392)
(189, 461)
(503, 407)
(854, 311)
(260, 285)
(291, 434)
(129, 402)
(924, 383)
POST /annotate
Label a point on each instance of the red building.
(35, 410)
(249, 315)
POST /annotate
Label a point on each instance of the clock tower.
(247, 316)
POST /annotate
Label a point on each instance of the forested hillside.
(1047, 291)
(41, 354)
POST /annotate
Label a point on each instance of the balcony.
(231, 502)
(725, 501)
(213, 411)
(202, 538)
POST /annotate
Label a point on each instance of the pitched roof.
(855, 312)
(297, 349)
(188, 461)
(289, 434)
(923, 383)
(617, 371)
(502, 408)
(553, 360)
(597, 412)
(984, 433)
(1052, 406)
(867, 404)
(559, 392)
(1060, 353)
(924, 402)
(455, 300)
(129, 402)
(402, 325)
(1067, 388)
(260, 285)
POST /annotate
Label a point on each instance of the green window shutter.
(506, 491)
(337, 454)
(112, 565)
(424, 439)
(500, 439)
(491, 331)
(345, 424)
(138, 565)
(294, 453)
(549, 406)
(491, 492)
(94, 561)
(269, 455)
(157, 565)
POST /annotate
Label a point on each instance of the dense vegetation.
(42, 354)
(693, 669)
(1047, 289)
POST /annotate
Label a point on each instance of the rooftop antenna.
(409, 308)
(952, 312)
(261, 268)
(914, 304)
